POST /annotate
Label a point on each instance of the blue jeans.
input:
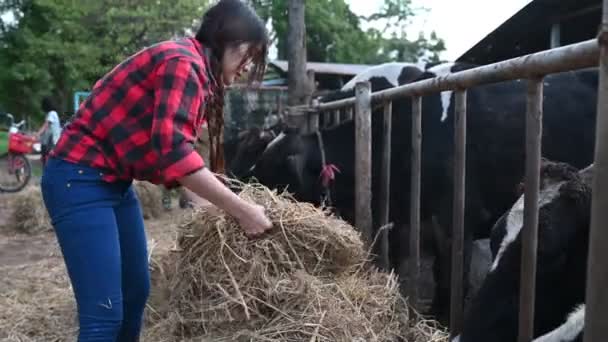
(100, 230)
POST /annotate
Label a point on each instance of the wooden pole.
(529, 248)
(596, 328)
(385, 183)
(415, 201)
(363, 155)
(296, 54)
(460, 139)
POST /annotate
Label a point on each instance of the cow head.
(249, 147)
(564, 210)
(282, 163)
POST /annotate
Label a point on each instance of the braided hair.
(229, 23)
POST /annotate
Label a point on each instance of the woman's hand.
(254, 221)
(251, 217)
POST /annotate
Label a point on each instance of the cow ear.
(578, 192)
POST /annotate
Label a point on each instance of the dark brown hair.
(229, 23)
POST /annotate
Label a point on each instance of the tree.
(61, 46)
(334, 32)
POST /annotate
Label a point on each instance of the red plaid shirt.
(142, 118)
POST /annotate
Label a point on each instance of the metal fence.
(532, 68)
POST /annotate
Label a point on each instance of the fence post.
(534, 116)
(415, 201)
(349, 114)
(313, 118)
(363, 156)
(596, 328)
(385, 183)
(460, 139)
(336, 117)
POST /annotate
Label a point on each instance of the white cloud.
(460, 23)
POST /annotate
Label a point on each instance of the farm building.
(541, 25)
(247, 107)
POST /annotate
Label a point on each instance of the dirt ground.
(35, 293)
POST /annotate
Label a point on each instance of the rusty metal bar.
(565, 58)
(529, 233)
(596, 328)
(349, 113)
(415, 202)
(336, 117)
(363, 155)
(313, 122)
(385, 182)
(460, 138)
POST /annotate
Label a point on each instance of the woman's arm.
(42, 129)
(250, 216)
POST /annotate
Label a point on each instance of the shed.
(539, 26)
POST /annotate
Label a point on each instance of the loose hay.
(28, 213)
(150, 199)
(37, 303)
(307, 280)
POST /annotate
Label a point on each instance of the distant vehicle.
(15, 167)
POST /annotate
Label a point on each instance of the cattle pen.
(532, 68)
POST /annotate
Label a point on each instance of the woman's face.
(234, 63)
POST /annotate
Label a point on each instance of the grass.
(3, 142)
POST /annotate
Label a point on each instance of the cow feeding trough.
(309, 279)
(532, 68)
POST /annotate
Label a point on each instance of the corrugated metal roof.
(326, 68)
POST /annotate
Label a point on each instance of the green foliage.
(61, 46)
(335, 34)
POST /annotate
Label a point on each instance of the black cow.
(564, 217)
(243, 152)
(496, 154)
(495, 157)
(294, 160)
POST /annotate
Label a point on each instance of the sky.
(461, 23)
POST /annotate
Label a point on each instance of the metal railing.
(533, 68)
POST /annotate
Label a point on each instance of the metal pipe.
(336, 117)
(556, 39)
(363, 154)
(565, 58)
(415, 201)
(385, 182)
(596, 328)
(460, 138)
(527, 293)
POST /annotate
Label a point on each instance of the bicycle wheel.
(15, 172)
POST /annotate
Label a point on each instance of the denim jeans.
(100, 230)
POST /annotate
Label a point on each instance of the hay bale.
(150, 199)
(28, 213)
(308, 279)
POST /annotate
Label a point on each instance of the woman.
(140, 122)
(50, 131)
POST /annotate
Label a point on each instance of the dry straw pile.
(27, 212)
(150, 199)
(307, 280)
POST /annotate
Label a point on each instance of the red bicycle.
(15, 167)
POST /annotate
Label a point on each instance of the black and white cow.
(495, 157)
(564, 217)
(294, 159)
(496, 153)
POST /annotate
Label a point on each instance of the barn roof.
(326, 68)
(529, 30)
